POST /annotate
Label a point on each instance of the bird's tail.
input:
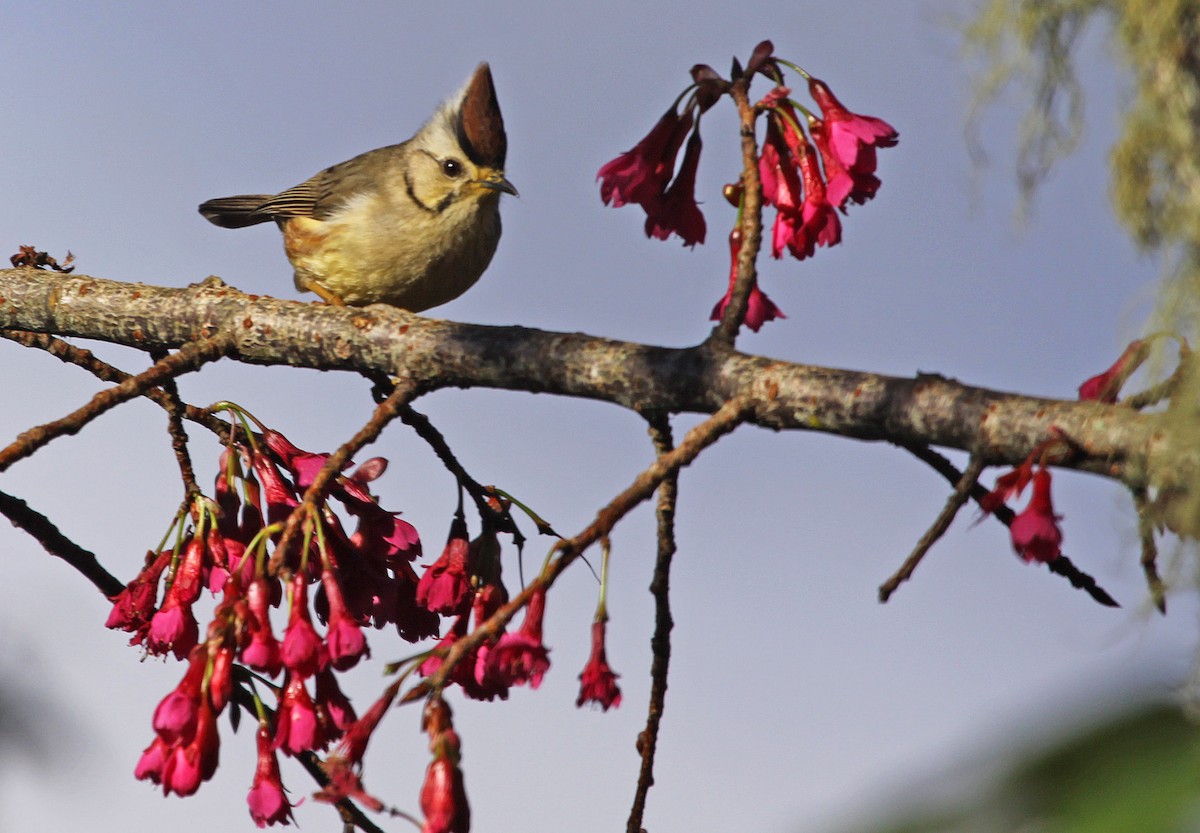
(236, 212)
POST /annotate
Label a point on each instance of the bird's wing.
(323, 194)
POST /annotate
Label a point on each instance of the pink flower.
(186, 582)
(267, 800)
(173, 628)
(819, 224)
(133, 606)
(444, 798)
(381, 534)
(841, 185)
(641, 174)
(343, 636)
(302, 652)
(1008, 486)
(520, 657)
(280, 495)
(298, 728)
(302, 465)
(176, 715)
(760, 309)
(150, 765)
(446, 586)
(262, 654)
(676, 211)
(220, 685)
(1035, 533)
(852, 137)
(1104, 387)
(597, 682)
(182, 771)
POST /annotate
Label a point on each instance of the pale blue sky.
(796, 699)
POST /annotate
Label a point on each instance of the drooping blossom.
(173, 628)
(196, 761)
(1035, 533)
(597, 682)
(1105, 387)
(853, 138)
(344, 638)
(133, 606)
(302, 651)
(176, 715)
(220, 684)
(841, 185)
(818, 221)
(521, 657)
(267, 800)
(676, 212)
(262, 653)
(760, 309)
(1009, 486)
(150, 764)
(298, 727)
(446, 586)
(443, 795)
(641, 174)
(444, 798)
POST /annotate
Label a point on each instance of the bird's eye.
(452, 168)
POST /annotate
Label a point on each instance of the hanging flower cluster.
(810, 167)
(361, 578)
(343, 580)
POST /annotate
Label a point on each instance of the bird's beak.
(495, 181)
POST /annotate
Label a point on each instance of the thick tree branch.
(431, 354)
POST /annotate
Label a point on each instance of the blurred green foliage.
(1138, 772)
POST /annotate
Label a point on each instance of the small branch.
(54, 542)
(1158, 590)
(660, 642)
(751, 217)
(179, 437)
(962, 492)
(727, 418)
(1061, 566)
(188, 358)
(501, 521)
(70, 354)
(384, 413)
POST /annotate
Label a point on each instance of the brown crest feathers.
(480, 125)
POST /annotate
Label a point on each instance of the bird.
(413, 225)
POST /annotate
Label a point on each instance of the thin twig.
(1061, 566)
(962, 492)
(188, 358)
(70, 354)
(500, 521)
(660, 642)
(54, 542)
(728, 417)
(739, 302)
(179, 437)
(1158, 590)
(384, 413)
